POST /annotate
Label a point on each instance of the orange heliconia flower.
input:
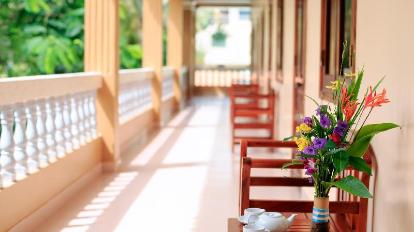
(348, 107)
(374, 100)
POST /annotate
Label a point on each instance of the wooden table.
(301, 223)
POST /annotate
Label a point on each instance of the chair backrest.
(354, 209)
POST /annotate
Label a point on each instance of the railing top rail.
(21, 89)
(134, 75)
(222, 67)
(168, 72)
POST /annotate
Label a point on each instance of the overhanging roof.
(240, 3)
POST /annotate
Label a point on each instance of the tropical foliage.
(337, 136)
(46, 36)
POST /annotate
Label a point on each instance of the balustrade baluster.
(19, 138)
(92, 112)
(74, 122)
(81, 119)
(50, 130)
(85, 105)
(41, 133)
(6, 147)
(59, 126)
(67, 124)
(32, 163)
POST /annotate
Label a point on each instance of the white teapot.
(275, 222)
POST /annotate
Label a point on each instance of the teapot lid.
(273, 214)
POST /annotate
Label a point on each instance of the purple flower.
(307, 121)
(341, 128)
(339, 131)
(342, 125)
(309, 166)
(310, 150)
(325, 121)
(310, 179)
(319, 143)
(318, 111)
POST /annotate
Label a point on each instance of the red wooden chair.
(348, 213)
(246, 103)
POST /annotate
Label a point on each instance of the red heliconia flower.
(335, 138)
(374, 100)
(348, 107)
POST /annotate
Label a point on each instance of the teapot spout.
(291, 218)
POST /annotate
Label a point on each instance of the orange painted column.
(152, 48)
(101, 55)
(175, 44)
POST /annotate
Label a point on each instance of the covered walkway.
(185, 179)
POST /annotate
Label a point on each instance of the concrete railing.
(43, 118)
(221, 76)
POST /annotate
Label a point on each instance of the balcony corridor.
(184, 180)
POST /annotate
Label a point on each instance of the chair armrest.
(264, 143)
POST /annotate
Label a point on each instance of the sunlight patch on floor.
(209, 115)
(152, 148)
(169, 202)
(192, 146)
(90, 213)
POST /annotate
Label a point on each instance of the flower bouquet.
(336, 138)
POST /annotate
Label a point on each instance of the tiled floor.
(186, 179)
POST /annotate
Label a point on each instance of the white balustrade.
(50, 130)
(36, 132)
(135, 93)
(91, 96)
(59, 127)
(39, 132)
(67, 133)
(32, 152)
(167, 83)
(6, 147)
(19, 138)
(221, 76)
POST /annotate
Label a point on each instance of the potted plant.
(219, 37)
(336, 138)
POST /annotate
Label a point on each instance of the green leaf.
(330, 145)
(341, 161)
(373, 129)
(293, 162)
(352, 185)
(365, 135)
(379, 82)
(360, 164)
(357, 86)
(312, 100)
(288, 138)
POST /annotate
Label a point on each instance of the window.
(338, 27)
(279, 41)
(300, 40)
(244, 14)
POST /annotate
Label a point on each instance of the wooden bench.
(348, 213)
(256, 109)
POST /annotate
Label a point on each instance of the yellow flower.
(302, 142)
(350, 74)
(303, 128)
(334, 85)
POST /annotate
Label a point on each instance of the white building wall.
(385, 46)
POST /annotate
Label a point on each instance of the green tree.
(41, 37)
(46, 36)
